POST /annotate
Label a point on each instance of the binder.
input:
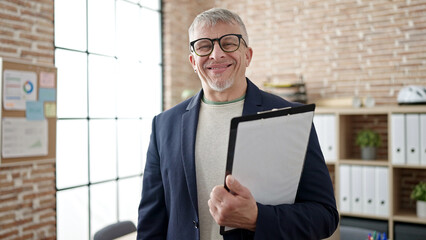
(356, 187)
(266, 153)
(412, 139)
(398, 138)
(320, 129)
(423, 139)
(325, 124)
(330, 137)
(368, 190)
(345, 188)
(382, 191)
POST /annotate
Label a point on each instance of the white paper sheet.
(23, 138)
(269, 156)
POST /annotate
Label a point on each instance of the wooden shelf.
(381, 163)
(410, 166)
(374, 110)
(359, 215)
(401, 178)
(408, 216)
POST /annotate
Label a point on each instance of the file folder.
(330, 139)
(325, 125)
(356, 187)
(345, 188)
(382, 191)
(320, 129)
(368, 190)
(423, 139)
(266, 153)
(398, 138)
(413, 139)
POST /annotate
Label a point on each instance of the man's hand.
(233, 209)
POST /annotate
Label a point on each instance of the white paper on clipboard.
(269, 155)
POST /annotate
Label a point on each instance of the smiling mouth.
(219, 67)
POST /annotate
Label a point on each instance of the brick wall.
(27, 201)
(27, 191)
(340, 47)
(404, 182)
(178, 73)
(26, 30)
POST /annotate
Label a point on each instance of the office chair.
(115, 230)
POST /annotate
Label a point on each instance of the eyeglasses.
(228, 43)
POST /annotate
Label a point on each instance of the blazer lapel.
(253, 99)
(188, 134)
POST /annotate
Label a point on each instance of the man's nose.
(217, 51)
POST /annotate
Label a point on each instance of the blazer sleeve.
(314, 214)
(152, 220)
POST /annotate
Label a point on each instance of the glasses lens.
(230, 43)
(203, 47)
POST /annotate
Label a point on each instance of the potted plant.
(419, 194)
(368, 140)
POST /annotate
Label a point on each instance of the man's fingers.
(218, 193)
(212, 208)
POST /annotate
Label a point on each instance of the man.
(183, 195)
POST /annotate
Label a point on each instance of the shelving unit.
(295, 91)
(401, 177)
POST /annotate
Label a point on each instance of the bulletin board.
(28, 115)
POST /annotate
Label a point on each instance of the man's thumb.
(234, 186)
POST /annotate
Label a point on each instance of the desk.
(130, 236)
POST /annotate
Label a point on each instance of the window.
(108, 55)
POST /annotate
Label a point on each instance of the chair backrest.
(115, 230)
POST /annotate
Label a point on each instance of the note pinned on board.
(47, 80)
(50, 109)
(19, 87)
(23, 138)
(47, 95)
(34, 110)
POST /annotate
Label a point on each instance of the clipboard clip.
(273, 110)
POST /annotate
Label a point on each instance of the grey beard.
(222, 86)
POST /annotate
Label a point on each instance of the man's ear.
(192, 60)
(249, 55)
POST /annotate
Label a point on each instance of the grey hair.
(217, 15)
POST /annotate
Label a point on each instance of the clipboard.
(266, 153)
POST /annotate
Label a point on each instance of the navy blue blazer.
(169, 209)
